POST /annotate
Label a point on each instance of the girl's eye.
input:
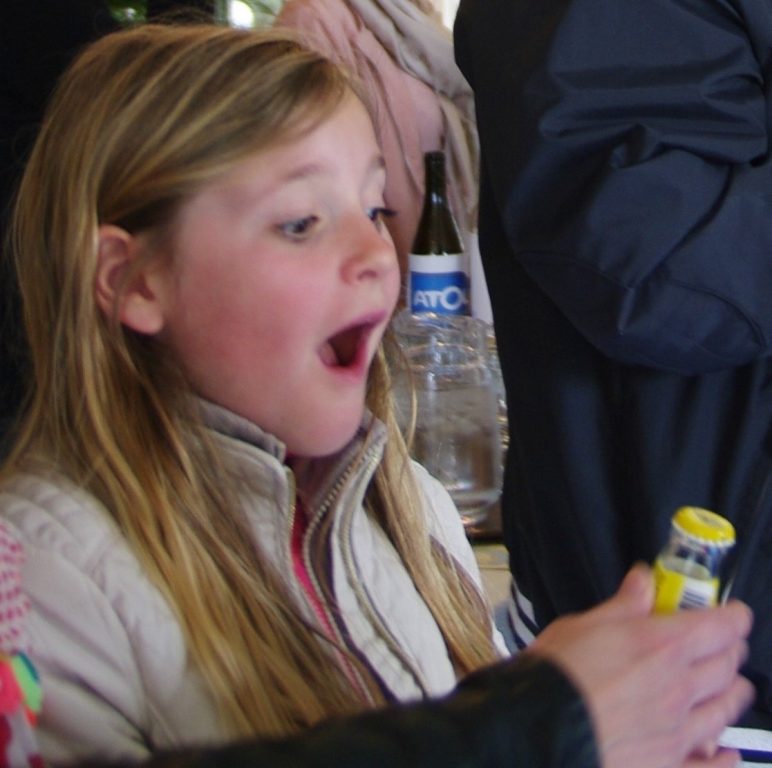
(379, 215)
(297, 229)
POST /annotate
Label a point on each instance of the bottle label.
(438, 283)
(677, 591)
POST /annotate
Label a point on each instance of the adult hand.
(659, 688)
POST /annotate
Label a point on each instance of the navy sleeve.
(627, 145)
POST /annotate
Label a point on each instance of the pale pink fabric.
(407, 111)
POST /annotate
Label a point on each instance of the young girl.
(224, 533)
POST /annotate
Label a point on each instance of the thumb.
(635, 596)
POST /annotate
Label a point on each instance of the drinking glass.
(457, 433)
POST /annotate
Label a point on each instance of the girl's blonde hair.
(141, 121)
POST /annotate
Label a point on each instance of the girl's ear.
(138, 301)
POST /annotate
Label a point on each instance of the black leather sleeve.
(518, 713)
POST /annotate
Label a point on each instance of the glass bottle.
(438, 269)
(687, 571)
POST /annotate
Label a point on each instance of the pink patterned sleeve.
(14, 605)
(20, 691)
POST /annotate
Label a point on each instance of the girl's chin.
(326, 442)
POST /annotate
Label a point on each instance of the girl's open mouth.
(347, 347)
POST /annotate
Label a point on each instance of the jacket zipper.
(363, 598)
(327, 618)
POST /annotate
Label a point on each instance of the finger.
(684, 711)
(706, 750)
(700, 634)
(708, 677)
(634, 597)
(707, 721)
(724, 758)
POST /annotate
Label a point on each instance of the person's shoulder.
(48, 511)
(314, 12)
(329, 27)
(76, 555)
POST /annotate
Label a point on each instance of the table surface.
(493, 562)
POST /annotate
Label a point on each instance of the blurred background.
(244, 13)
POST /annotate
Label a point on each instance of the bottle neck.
(435, 183)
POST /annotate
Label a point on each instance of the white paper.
(748, 738)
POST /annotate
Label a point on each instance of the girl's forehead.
(329, 142)
(339, 153)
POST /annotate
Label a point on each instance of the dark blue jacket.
(626, 233)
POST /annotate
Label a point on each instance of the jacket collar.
(232, 425)
(316, 477)
(370, 436)
(315, 480)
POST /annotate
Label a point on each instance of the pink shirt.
(299, 530)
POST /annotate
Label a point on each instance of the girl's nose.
(371, 252)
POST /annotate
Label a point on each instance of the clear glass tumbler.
(457, 433)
